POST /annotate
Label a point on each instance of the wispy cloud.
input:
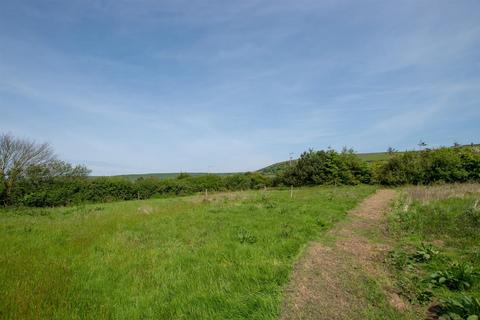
(147, 85)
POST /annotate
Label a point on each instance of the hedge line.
(73, 190)
(440, 165)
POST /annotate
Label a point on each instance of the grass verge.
(437, 254)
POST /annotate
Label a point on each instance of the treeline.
(454, 164)
(31, 175)
(73, 190)
(442, 165)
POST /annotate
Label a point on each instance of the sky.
(126, 86)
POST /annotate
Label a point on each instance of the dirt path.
(334, 278)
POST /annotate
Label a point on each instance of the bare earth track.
(333, 279)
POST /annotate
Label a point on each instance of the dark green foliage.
(430, 166)
(60, 183)
(459, 276)
(69, 189)
(327, 167)
(244, 236)
(463, 308)
(280, 167)
(425, 253)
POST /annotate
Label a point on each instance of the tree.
(391, 150)
(17, 156)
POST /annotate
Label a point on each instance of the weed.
(287, 230)
(412, 288)
(400, 260)
(471, 217)
(425, 253)
(459, 276)
(320, 221)
(446, 215)
(244, 236)
(464, 307)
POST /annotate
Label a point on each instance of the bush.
(60, 191)
(327, 167)
(431, 166)
(456, 277)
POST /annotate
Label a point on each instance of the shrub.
(457, 277)
(430, 166)
(60, 191)
(327, 167)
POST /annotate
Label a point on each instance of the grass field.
(437, 254)
(228, 257)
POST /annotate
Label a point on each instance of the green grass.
(437, 231)
(178, 258)
(377, 156)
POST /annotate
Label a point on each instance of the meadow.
(228, 256)
(436, 259)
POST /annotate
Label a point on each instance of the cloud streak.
(150, 86)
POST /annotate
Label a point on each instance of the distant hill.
(167, 175)
(272, 169)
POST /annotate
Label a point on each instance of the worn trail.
(333, 279)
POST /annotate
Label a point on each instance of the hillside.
(281, 166)
(272, 169)
(166, 175)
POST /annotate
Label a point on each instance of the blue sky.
(129, 86)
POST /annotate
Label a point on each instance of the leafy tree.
(183, 175)
(391, 150)
(327, 167)
(429, 166)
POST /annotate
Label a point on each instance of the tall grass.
(448, 212)
(441, 226)
(225, 257)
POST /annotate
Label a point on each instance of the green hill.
(272, 169)
(166, 175)
(281, 166)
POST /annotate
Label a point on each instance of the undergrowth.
(436, 260)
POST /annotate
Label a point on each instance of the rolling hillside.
(272, 169)
(166, 175)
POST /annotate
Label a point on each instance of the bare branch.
(17, 155)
